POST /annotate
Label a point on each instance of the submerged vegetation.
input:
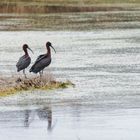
(14, 85)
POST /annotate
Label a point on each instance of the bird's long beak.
(30, 50)
(53, 49)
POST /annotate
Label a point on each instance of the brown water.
(104, 105)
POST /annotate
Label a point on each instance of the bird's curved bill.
(31, 50)
(53, 49)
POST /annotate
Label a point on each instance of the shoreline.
(22, 16)
(24, 7)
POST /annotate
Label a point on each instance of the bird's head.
(25, 47)
(49, 44)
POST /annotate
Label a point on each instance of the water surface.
(105, 103)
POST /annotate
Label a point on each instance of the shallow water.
(105, 103)
(80, 21)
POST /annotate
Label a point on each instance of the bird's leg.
(24, 73)
(40, 74)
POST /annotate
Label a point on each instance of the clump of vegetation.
(10, 86)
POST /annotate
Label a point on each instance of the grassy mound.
(13, 85)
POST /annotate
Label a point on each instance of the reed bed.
(65, 6)
(71, 1)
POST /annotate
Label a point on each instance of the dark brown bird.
(24, 61)
(43, 60)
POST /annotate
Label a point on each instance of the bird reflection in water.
(44, 113)
(27, 115)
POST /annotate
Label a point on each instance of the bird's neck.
(26, 52)
(48, 51)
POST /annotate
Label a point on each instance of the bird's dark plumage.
(24, 61)
(42, 61)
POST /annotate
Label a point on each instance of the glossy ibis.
(43, 60)
(24, 61)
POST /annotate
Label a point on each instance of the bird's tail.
(18, 69)
(31, 69)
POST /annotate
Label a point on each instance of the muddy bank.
(34, 8)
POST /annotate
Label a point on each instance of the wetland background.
(98, 49)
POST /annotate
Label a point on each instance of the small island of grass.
(9, 86)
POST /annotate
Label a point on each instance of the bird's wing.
(23, 60)
(20, 61)
(41, 62)
(40, 57)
